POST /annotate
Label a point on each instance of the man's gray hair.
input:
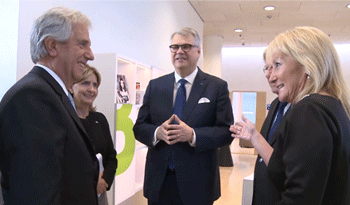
(56, 23)
(187, 31)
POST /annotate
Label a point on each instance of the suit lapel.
(273, 136)
(198, 87)
(269, 119)
(282, 123)
(168, 95)
(58, 89)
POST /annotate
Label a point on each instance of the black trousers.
(169, 193)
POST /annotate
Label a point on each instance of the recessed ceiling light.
(269, 8)
(238, 30)
(348, 6)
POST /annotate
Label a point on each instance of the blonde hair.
(316, 53)
(87, 72)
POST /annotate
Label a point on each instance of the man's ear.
(51, 46)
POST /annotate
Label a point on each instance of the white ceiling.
(260, 26)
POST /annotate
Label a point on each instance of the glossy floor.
(232, 179)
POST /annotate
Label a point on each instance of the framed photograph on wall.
(139, 97)
(122, 90)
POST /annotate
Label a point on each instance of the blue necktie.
(280, 112)
(180, 101)
(71, 100)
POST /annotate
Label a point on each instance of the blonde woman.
(309, 161)
(96, 126)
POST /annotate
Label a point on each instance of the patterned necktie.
(280, 113)
(71, 100)
(180, 99)
(179, 105)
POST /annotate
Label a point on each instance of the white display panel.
(131, 154)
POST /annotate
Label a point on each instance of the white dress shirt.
(55, 76)
(190, 79)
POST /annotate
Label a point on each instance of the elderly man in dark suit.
(46, 156)
(264, 191)
(185, 117)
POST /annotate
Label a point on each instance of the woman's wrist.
(256, 138)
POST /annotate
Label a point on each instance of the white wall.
(344, 55)
(137, 29)
(8, 44)
(242, 68)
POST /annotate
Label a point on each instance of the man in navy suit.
(46, 156)
(182, 159)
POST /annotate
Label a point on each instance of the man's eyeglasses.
(267, 69)
(185, 47)
(271, 68)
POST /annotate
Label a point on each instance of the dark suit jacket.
(1, 199)
(46, 156)
(97, 127)
(264, 191)
(197, 167)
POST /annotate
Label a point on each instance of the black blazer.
(46, 156)
(97, 127)
(264, 191)
(197, 167)
(310, 162)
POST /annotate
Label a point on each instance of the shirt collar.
(286, 108)
(55, 76)
(190, 78)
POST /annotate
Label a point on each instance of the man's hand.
(102, 184)
(162, 132)
(172, 133)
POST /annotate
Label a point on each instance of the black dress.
(97, 128)
(310, 162)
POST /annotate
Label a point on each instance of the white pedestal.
(247, 192)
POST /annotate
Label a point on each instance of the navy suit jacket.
(46, 156)
(197, 169)
(264, 192)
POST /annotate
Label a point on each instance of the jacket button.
(260, 160)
